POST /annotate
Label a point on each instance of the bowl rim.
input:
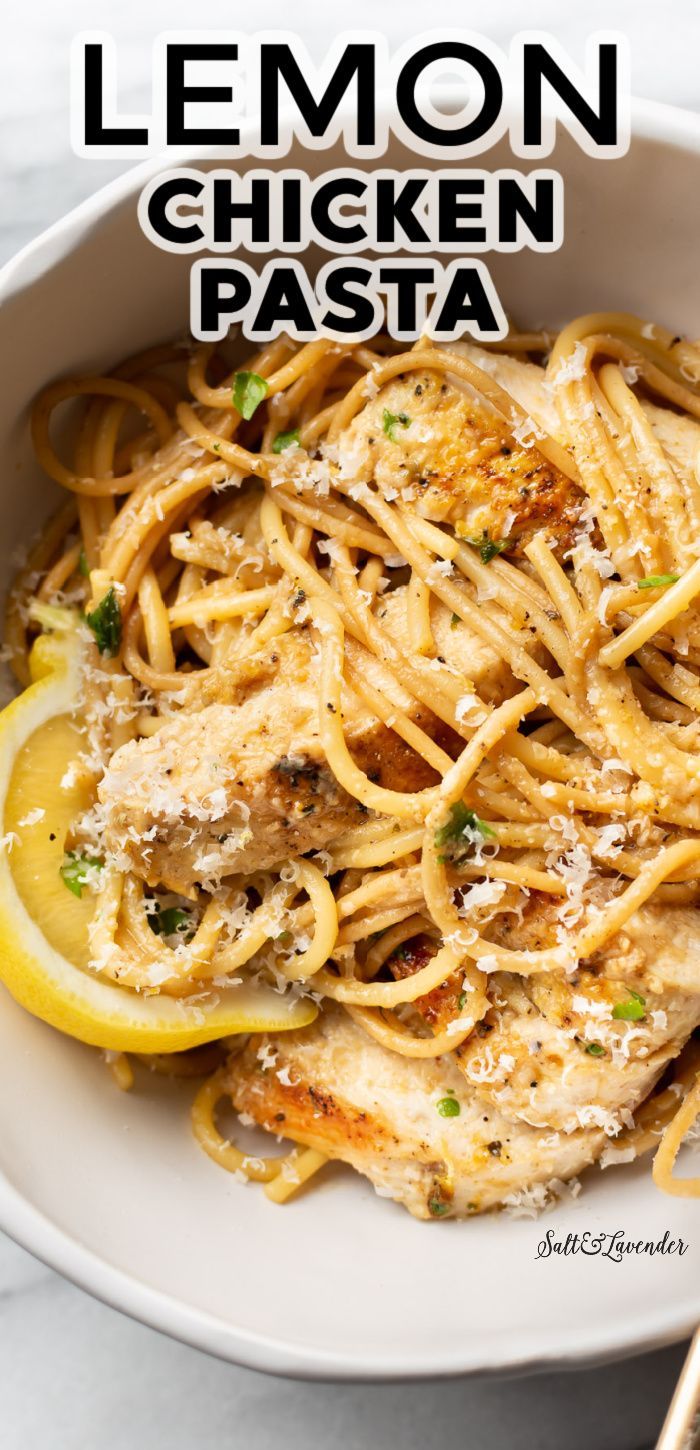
(59, 1250)
(120, 1290)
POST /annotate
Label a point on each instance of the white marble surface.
(72, 1372)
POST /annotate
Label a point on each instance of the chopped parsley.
(488, 548)
(285, 440)
(437, 1208)
(594, 1049)
(105, 621)
(460, 832)
(390, 420)
(76, 868)
(632, 1010)
(462, 998)
(249, 390)
(448, 1108)
(168, 920)
(657, 581)
(83, 566)
(455, 620)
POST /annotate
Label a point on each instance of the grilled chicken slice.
(593, 1071)
(429, 438)
(550, 1050)
(657, 951)
(678, 435)
(467, 656)
(241, 786)
(332, 1087)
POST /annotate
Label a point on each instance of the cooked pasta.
(391, 696)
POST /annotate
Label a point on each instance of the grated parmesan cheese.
(571, 369)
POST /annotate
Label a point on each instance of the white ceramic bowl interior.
(111, 1188)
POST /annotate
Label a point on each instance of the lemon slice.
(44, 927)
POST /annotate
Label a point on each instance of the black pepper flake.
(294, 770)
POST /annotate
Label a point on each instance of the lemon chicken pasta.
(356, 764)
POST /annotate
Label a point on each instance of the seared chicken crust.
(331, 1087)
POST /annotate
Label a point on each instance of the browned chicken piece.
(457, 646)
(427, 438)
(658, 950)
(241, 786)
(678, 435)
(592, 1072)
(553, 1050)
(432, 439)
(332, 1087)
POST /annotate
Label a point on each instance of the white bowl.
(111, 1189)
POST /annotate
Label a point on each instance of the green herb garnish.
(594, 1049)
(105, 621)
(657, 581)
(285, 440)
(168, 920)
(488, 548)
(448, 1107)
(390, 420)
(455, 620)
(462, 998)
(437, 1208)
(75, 871)
(455, 831)
(83, 566)
(632, 1010)
(249, 390)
